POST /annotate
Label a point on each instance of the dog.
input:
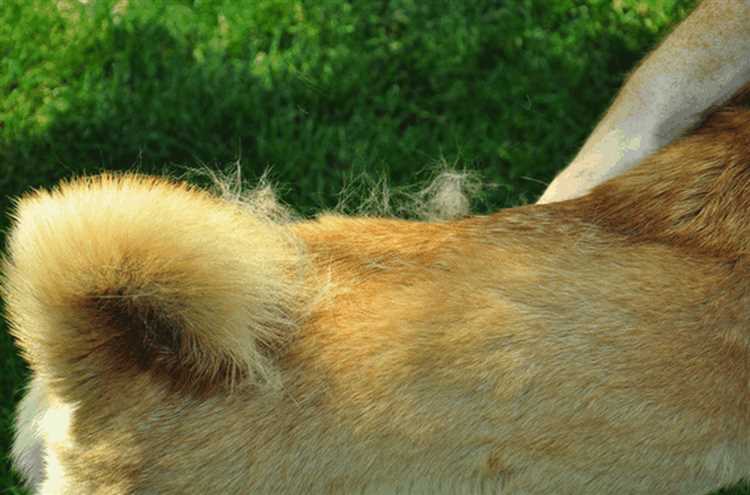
(183, 343)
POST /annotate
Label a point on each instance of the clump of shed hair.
(448, 195)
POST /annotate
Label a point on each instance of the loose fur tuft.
(122, 265)
(258, 200)
(448, 195)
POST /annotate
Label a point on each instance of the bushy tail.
(129, 274)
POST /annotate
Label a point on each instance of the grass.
(318, 91)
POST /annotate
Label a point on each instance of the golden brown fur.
(181, 344)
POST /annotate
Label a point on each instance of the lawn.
(317, 92)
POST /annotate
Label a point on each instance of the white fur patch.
(29, 452)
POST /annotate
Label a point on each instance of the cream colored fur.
(182, 343)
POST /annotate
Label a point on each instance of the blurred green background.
(318, 91)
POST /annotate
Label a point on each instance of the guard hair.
(448, 195)
(133, 269)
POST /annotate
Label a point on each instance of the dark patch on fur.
(152, 339)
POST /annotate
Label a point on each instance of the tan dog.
(185, 344)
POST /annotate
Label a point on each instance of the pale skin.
(699, 66)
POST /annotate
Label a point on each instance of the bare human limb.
(701, 64)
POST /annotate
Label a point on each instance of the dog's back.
(183, 345)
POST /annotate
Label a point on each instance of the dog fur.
(183, 343)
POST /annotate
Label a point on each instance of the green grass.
(320, 91)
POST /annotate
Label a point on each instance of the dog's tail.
(131, 274)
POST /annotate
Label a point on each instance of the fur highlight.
(121, 266)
